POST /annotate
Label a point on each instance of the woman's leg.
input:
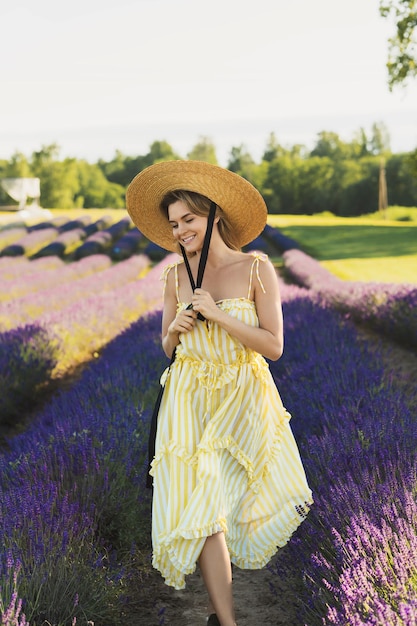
(216, 570)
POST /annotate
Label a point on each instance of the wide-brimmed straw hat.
(237, 197)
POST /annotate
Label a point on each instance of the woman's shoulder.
(256, 255)
(248, 257)
(167, 269)
(169, 276)
(254, 258)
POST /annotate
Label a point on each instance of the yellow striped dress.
(225, 456)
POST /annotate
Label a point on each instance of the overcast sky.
(98, 75)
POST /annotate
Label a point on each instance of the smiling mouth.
(188, 239)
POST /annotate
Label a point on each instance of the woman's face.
(188, 228)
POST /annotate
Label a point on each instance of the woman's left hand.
(203, 303)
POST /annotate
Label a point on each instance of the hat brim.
(237, 197)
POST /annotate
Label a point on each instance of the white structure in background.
(20, 189)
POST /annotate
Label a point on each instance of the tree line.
(337, 176)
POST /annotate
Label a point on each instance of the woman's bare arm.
(173, 324)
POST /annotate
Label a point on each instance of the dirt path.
(156, 604)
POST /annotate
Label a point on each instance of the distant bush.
(101, 241)
(155, 252)
(397, 213)
(127, 245)
(63, 244)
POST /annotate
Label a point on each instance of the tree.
(59, 184)
(281, 188)
(412, 163)
(272, 149)
(402, 52)
(161, 151)
(330, 145)
(114, 170)
(204, 150)
(360, 185)
(17, 167)
(401, 176)
(241, 162)
(95, 190)
(380, 140)
(360, 143)
(59, 180)
(122, 169)
(45, 156)
(317, 185)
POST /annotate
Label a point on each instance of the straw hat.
(242, 203)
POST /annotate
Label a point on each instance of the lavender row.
(63, 244)
(67, 286)
(22, 240)
(80, 238)
(21, 266)
(63, 338)
(69, 331)
(10, 235)
(280, 241)
(73, 241)
(84, 327)
(79, 471)
(357, 437)
(100, 241)
(19, 288)
(55, 222)
(388, 308)
(30, 243)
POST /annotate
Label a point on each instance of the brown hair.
(200, 205)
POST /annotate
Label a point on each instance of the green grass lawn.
(365, 248)
(331, 242)
(400, 269)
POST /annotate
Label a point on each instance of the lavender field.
(80, 358)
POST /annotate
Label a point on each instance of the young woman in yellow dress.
(229, 485)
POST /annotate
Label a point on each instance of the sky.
(96, 76)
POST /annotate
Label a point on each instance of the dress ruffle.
(231, 445)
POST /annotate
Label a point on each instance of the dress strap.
(164, 277)
(257, 257)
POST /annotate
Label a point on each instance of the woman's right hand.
(183, 322)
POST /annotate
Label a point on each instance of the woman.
(229, 485)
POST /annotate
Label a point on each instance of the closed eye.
(175, 225)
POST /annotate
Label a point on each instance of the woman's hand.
(203, 303)
(183, 322)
